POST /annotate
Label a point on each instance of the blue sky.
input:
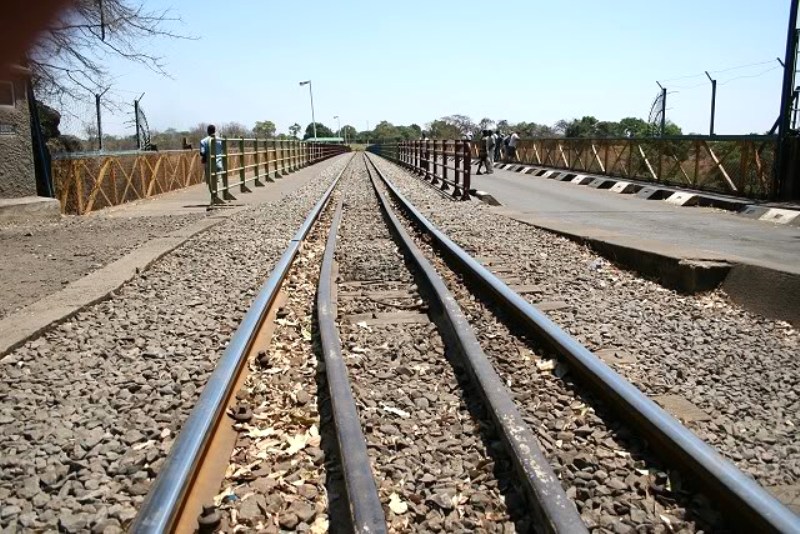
(418, 60)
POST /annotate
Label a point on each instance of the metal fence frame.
(431, 160)
(251, 160)
(732, 164)
(87, 182)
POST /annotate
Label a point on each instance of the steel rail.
(366, 512)
(164, 501)
(741, 495)
(553, 510)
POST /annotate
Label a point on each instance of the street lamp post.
(311, 94)
(338, 126)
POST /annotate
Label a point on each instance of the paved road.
(724, 234)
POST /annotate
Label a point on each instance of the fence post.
(444, 164)
(467, 169)
(660, 144)
(427, 151)
(257, 164)
(267, 177)
(211, 171)
(226, 194)
(279, 169)
(242, 171)
(458, 165)
(630, 158)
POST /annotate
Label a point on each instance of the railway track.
(398, 385)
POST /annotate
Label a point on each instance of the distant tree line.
(457, 126)
(449, 127)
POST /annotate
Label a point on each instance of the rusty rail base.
(164, 503)
(366, 512)
(756, 509)
(553, 511)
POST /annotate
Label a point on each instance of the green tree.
(584, 127)
(532, 129)
(265, 129)
(441, 129)
(322, 131)
(385, 131)
(635, 127)
(294, 129)
(349, 132)
(462, 123)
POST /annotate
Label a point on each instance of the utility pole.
(713, 102)
(313, 120)
(99, 118)
(663, 108)
(788, 186)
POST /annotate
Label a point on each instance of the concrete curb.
(485, 197)
(670, 193)
(25, 209)
(30, 321)
(761, 289)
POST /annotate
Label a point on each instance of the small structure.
(18, 200)
(17, 174)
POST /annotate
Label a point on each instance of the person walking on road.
(511, 150)
(205, 153)
(498, 146)
(486, 148)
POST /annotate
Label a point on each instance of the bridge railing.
(444, 163)
(243, 161)
(91, 181)
(739, 165)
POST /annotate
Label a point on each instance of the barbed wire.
(720, 71)
(724, 82)
(751, 75)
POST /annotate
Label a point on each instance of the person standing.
(498, 146)
(205, 153)
(513, 139)
(486, 148)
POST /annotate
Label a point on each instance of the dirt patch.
(39, 259)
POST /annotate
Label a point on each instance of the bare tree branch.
(69, 61)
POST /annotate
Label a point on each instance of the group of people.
(493, 146)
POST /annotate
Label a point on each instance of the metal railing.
(241, 161)
(445, 162)
(87, 183)
(736, 164)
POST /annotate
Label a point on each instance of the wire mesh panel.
(88, 183)
(739, 165)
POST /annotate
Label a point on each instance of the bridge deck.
(686, 231)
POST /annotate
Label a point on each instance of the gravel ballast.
(741, 370)
(615, 482)
(277, 478)
(435, 467)
(89, 409)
